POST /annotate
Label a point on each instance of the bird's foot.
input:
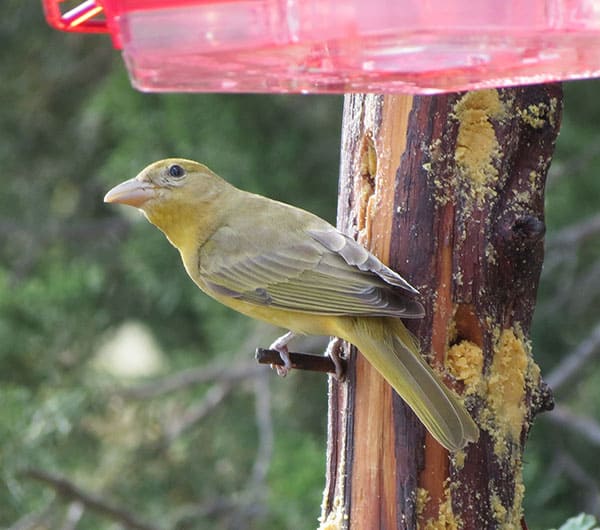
(333, 351)
(280, 345)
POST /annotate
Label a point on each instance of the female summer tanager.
(288, 267)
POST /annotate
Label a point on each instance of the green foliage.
(73, 270)
(580, 522)
(296, 480)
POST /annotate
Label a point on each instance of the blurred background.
(121, 382)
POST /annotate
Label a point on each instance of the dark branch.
(193, 376)
(211, 400)
(65, 488)
(300, 361)
(585, 426)
(575, 361)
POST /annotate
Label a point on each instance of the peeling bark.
(449, 190)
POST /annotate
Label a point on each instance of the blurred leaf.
(580, 522)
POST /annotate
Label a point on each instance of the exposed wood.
(449, 191)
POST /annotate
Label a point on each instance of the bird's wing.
(318, 271)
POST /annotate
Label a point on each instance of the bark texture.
(449, 190)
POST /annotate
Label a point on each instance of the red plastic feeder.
(336, 46)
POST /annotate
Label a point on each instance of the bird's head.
(174, 194)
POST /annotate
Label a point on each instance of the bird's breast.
(297, 321)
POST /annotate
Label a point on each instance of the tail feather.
(394, 352)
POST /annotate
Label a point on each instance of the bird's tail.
(394, 352)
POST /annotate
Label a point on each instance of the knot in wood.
(543, 399)
(528, 228)
(522, 232)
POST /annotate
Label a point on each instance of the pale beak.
(133, 192)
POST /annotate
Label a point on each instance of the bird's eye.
(176, 171)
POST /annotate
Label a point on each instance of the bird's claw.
(280, 345)
(333, 351)
(282, 371)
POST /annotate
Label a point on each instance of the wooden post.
(449, 191)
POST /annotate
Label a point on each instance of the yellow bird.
(288, 267)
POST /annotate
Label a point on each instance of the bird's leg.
(333, 351)
(280, 345)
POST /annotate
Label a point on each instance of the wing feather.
(317, 271)
(355, 254)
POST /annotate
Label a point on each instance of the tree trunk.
(449, 190)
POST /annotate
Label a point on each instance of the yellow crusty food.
(288, 267)
(477, 147)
